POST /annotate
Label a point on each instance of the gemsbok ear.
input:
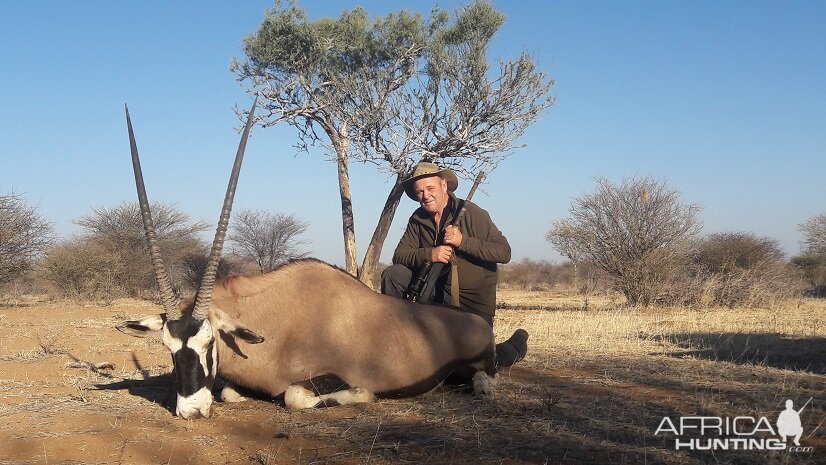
(143, 327)
(232, 326)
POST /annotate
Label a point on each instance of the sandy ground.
(563, 404)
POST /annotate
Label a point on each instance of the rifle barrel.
(804, 405)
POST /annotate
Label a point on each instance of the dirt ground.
(598, 401)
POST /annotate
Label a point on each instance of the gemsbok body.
(307, 331)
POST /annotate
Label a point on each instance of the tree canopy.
(392, 91)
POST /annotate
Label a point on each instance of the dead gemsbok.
(284, 332)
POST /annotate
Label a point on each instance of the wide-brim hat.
(425, 169)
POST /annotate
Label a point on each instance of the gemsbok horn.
(306, 332)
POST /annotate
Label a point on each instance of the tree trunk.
(371, 258)
(347, 219)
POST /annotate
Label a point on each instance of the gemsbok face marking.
(189, 337)
(316, 335)
(193, 356)
(192, 344)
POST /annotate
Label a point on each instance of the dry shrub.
(735, 270)
(85, 270)
(23, 285)
(533, 275)
(118, 231)
(269, 239)
(812, 268)
(193, 267)
(24, 235)
(766, 285)
(636, 233)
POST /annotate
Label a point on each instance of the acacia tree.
(638, 233)
(299, 67)
(24, 235)
(455, 110)
(394, 91)
(266, 238)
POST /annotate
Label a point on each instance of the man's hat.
(425, 169)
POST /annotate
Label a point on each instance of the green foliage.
(288, 43)
(392, 91)
(477, 22)
(298, 45)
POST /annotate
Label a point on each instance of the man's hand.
(441, 254)
(453, 236)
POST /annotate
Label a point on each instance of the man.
(475, 243)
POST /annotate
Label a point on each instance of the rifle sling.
(454, 282)
(454, 265)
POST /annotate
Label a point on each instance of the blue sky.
(726, 101)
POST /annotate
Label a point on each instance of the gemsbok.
(307, 330)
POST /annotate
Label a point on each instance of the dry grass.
(562, 328)
(593, 389)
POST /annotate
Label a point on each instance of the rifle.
(804, 405)
(427, 273)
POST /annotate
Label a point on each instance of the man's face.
(431, 192)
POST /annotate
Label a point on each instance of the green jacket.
(483, 246)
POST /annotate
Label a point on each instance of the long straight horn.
(204, 295)
(168, 298)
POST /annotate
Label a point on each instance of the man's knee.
(394, 280)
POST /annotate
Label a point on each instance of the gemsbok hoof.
(483, 385)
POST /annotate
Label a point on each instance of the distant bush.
(636, 233)
(194, 265)
(814, 235)
(745, 270)
(735, 270)
(118, 232)
(727, 252)
(24, 235)
(268, 239)
(85, 270)
(532, 275)
(812, 268)
(812, 262)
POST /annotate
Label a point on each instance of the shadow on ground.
(158, 389)
(769, 349)
(568, 415)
